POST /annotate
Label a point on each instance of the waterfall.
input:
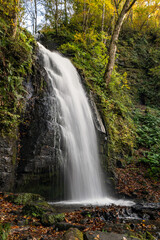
(82, 172)
(81, 162)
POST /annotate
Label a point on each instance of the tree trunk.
(84, 14)
(56, 17)
(15, 20)
(103, 15)
(114, 39)
(35, 15)
(65, 12)
(86, 21)
(33, 26)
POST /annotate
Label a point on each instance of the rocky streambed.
(141, 221)
(30, 217)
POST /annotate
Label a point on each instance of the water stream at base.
(83, 181)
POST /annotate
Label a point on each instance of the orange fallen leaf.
(66, 220)
(85, 230)
(14, 227)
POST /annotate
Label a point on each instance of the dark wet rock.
(120, 228)
(109, 216)
(21, 223)
(143, 206)
(23, 198)
(73, 234)
(27, 238)
(106, 236)
(63, 226)
(143, 211)
(39, 169)
(84, 221)
(8, 162)
(49, 219)
(147, 210)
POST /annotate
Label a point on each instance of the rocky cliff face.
(8, 163)
(40, 146)
(40, 139)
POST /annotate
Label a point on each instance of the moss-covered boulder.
(23, 198)
(73, 234)
(49, 219)
(37, 208)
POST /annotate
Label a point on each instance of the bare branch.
(117, 6)
(131, 5)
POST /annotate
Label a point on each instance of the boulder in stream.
(23, 198)
(96, 235)
(49, 219)
(73, 234)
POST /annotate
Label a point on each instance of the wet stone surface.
(106, 236)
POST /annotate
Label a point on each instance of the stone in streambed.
(147, 209)
(44, 211)
(96, 235)
(23, 198)
(37, 208)
(49, 219)
(73, 234)
(63, 226)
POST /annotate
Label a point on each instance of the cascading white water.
(82, 167)
(81, 163)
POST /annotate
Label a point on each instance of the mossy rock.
(37, 209)
(73, 234)
(24, 198)
(49, 219)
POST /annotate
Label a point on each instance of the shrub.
(148, 138)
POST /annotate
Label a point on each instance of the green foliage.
(64, 35)
(4, 230)
(143, 236)
(9, 12)
(117, 108)
(15, 65)
(89, 55)
(148, 131)
(154, 83)
(140, 56)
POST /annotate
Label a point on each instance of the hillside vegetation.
(129, 105)
(16, 46)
